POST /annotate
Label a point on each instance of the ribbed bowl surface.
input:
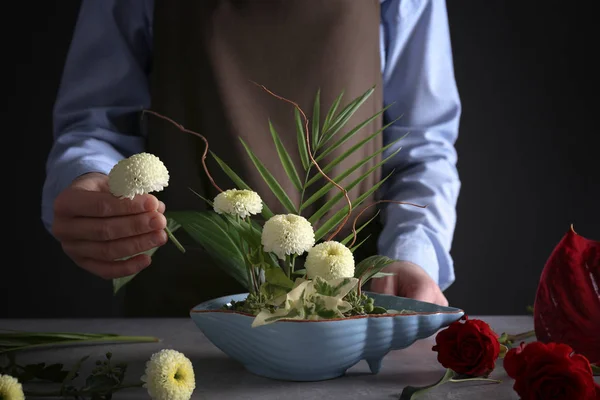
(318, 350)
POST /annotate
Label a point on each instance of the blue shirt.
(105, 75)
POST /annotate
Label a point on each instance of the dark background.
(528, 154)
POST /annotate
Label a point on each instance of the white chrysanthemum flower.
(287, 234)
(238, 202)
(139, 174)
(169, 375)
(10, 388)
(329, 260)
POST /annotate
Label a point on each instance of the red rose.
(550, 371)
(468, 348)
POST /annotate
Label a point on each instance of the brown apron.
(206, 56)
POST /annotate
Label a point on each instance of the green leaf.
(316, 120)
(342, 118)
(266, 213)
(218, 238)
(351, 150)
(119, 283)
(284, 157)
(331, 113)
(339, 216)
(74, 372)
(338, 287)
(360, 228)
(301, 138)
(251, 235)
(299, 272)
(413, 393)
(276, 277)
(271, 291)
(370, 266)
(270, 180)
(329, 186)
(356, 246)
(210, 203)
(337, 197)
(352, 132)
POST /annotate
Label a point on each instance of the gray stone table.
(219, 377)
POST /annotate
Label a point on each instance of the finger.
(441, 300)
(114, 269)
(83, 203)
(112, 228)
(385, 285)
(161, 207)
(115, 249)
(420, 293)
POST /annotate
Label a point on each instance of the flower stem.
(474, 379)
(412, 393)
(520, 336)
(173, 239)
(99, 339)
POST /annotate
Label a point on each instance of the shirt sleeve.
(419, 81)
(103, 88)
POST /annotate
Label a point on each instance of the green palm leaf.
(327, 206)
(360, 228)
(284, 157)
(316, 120)
(331, 112)
(301, 138)
(370, 266)
(342, 118)
(332, 222)
(356, 246)
(266, 213)
(328, 186)
(351, 133)
(270, 180)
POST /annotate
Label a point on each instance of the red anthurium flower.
(567, 304)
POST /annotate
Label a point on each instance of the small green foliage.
(253, 304)
(104, 380)
(362, 304)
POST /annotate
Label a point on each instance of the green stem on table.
(412, 393)
(596, 369)
(173, 239)
(84, 392)
(474, 379)
(99, 339)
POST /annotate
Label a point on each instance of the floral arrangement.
(259, 248)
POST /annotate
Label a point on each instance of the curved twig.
(183, 129)
(371, 205)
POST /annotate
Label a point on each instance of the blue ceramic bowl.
(300, 350)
